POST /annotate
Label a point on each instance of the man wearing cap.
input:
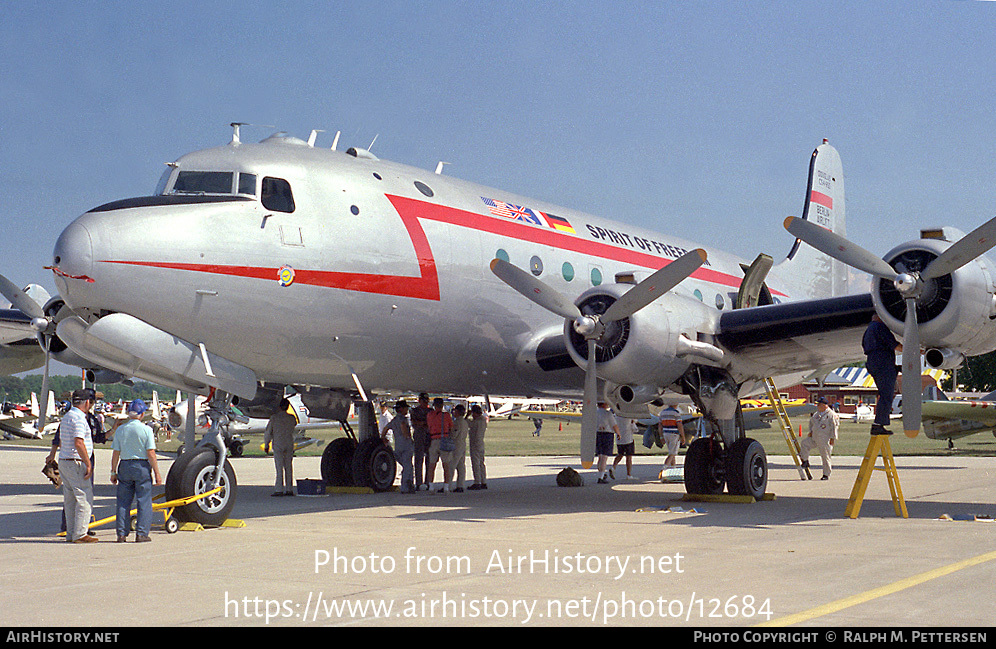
(280, 432)
(420, 440)
(823, 425)
(403, 449)
(76, 468)
(133, 462)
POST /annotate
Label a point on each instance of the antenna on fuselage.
(439, 167)
(314, 135)
(235, 131)
(335, 140)
(370, 148)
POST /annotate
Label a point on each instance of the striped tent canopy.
(858, 377)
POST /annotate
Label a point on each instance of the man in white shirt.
(606, 434)
(401, 430)
(823, 425)
(75, 448)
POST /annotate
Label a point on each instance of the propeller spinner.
(592, 326)
(910, 285)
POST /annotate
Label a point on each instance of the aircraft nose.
(73, 257)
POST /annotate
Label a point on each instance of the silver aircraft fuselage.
(380, 268)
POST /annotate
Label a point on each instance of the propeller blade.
(969, 247)
(911, 371)
(43, 407)
(659, 283)
(838, 247)
(589, 409)
(534, 289)
(19, 299)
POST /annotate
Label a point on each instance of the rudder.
(818, 275)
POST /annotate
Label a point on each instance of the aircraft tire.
(374, 465)
(337, 462)
(747, 468)
(193, 473)
(705, 467)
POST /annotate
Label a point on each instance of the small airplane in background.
(951, 420)
(17, 422)
(506, 406)
(243, 425)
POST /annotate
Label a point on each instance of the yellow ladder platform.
(878, 445)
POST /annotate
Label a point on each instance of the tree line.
(19, 389)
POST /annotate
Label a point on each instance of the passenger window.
(247, 184)
(277, 196)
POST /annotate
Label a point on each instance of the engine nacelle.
(954, 312)
(653, 347)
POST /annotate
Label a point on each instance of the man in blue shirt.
(880, 348)
(132, 464)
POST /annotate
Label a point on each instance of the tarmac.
(524, 552)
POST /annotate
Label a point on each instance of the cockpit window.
(203, 182)
(163, 181)
(247, 184)
(276, 195)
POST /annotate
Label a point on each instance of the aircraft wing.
(798, 336)
(551, 414)
(983, 412)
(14, 326)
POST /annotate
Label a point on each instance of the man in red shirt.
(440, 425)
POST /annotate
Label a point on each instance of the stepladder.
(786, 426)
(878, 445)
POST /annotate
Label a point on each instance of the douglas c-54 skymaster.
(282, 264)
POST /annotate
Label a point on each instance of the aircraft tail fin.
(815, 274)
(934, 393)
(35, 410)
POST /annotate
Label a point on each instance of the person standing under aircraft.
(625, 446)
(475, 437)
(280, 430)
(420, 440)
(457, 466)
(823, 426)
(607, 431)
(133, 464)
(440, 425)
(401, 430)
(383, 419)
(75, 467)
(880, 348)
(673, 433)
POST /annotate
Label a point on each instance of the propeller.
(44, 326)
(593, 326)
(909, 284)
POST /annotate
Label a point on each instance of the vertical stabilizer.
(814, 274)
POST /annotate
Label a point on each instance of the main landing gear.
(360, 462)
(727, 457)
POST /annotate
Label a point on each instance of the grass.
(514, 437)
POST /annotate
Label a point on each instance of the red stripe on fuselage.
(426, 285)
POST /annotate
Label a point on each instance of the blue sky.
(692, 118)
